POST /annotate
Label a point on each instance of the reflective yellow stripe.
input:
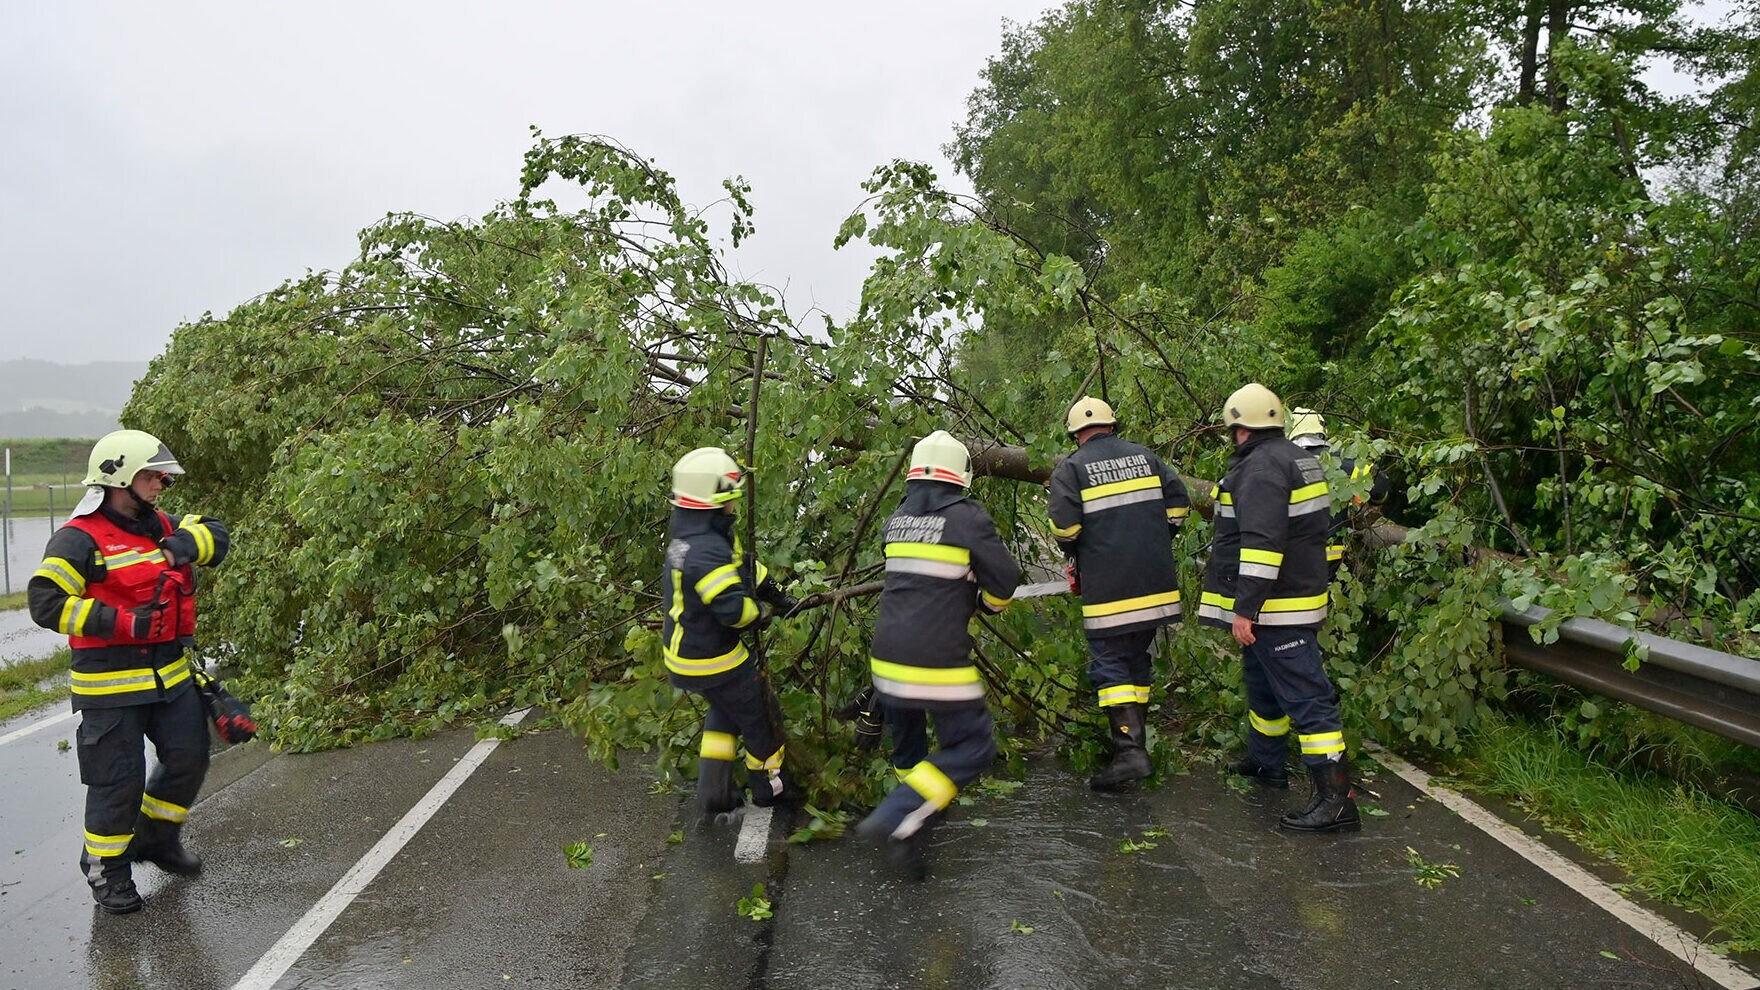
(1131, 604)
(716, 581)
(771, 762)
(935, 787)
(104, 846)
(748, 614)
(930, 551)
(1179, 512)
(1294, 604)
(717, 746)
(1120, 487)
(135, 679)
(74, 613)
(204, 539)
(1120, 694)
(1306, 492)
(1065, 532)
(1268, 726)
(1321, 743)
(676, 611)
(1272, 557)
(1360, 471)
(131, 558)
(63, 574)
(693, 667)
(1215, 598)
(1222, 497)
(165, 811)
(998, 604)
(923, 675)
(1335, 552)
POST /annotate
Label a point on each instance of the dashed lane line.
(284, 953)
(1683, 945)
(20, 733)
(754, 836)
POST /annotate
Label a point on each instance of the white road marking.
(1682, 944)
(754, 836)
(284, 953)
(34, 726)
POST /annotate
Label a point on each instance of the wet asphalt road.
(1029, 889)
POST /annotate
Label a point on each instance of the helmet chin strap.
(142, 507)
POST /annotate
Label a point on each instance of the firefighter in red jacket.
(118, 579)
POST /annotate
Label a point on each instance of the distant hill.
(45, 399)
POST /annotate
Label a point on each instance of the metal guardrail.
(1716, 691)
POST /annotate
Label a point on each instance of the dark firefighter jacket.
(1378, 486)
(943, 558)
(1115, 506)
(710, 591)
(97, 569)
(1268, 553)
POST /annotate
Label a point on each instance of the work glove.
(772, 594)
(1075, 579)
(180, 547)
(864, 710)
(146, 622)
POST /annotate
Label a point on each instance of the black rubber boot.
(1130, 758)
(1262, 775)
(908, 857)
(1332, 809)
(718, 799)
(770, 787)
(160, 843)
(112, 883)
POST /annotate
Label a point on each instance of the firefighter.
(713, 592)
(1266, 583)
(1115, 508)
(944, 561)
(1307, 429)
(119, 580)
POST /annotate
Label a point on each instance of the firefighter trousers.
(967, 738)
(1120, 668)
(113, 766)
(1287, 688)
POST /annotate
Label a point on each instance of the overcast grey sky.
(167, 158)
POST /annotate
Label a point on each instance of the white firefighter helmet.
(1306, 427)
(1253, 406)
(1089, 411)
(705, 478)
(119, 456)
(939, 457)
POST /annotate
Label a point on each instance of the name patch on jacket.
(1117, 469)
(915, 529)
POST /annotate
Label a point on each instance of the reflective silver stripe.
(1225, 511)
(1266, 571)
(932, 568)
(1319, 503)
(1127, 498)
(929, 692)
(1137, 615)
(1214, 612)
(1312, 617)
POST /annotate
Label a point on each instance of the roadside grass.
(31, 684)
(1677, 844)
(31, 495)
(15, 600)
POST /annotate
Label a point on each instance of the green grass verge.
(1677, 844)
(32, 684)
(12, 601)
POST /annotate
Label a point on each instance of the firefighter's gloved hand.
(766, 615)
(1075, 578)
(180, 547)
(772, 594)
(145, 622)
